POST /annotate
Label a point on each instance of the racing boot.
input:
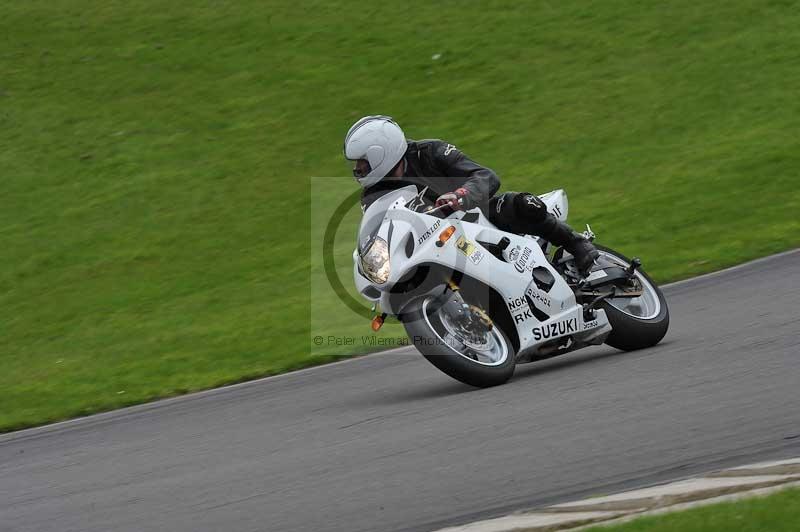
(530, 216)
(560, 234)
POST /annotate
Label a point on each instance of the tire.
(429, 343)
(630, 332)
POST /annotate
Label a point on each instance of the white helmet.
(378, 140)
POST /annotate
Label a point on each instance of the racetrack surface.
(388, 443)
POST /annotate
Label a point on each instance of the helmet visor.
(361, 169)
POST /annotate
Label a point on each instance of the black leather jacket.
(442, 168)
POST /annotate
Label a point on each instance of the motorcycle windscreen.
(373, 216)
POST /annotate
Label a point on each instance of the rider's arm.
(481, 182)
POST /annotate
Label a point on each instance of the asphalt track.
(387, 443)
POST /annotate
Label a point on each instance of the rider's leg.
(521, 212)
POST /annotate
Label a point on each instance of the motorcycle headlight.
(375, 261)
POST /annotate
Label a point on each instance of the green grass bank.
(779, 512)
(156, 217)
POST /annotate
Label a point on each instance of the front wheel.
(637, 322)
(460, 340)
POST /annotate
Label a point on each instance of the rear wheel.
(637, 322)
(460, 340)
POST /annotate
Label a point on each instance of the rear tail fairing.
(557, 203)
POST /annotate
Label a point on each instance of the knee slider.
(530, 207)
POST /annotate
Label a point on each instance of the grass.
(778, 512)
(156, 210)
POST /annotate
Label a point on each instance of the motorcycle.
(476, 301)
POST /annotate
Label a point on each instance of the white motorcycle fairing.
(541, 304)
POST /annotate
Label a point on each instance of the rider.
(385, 160)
